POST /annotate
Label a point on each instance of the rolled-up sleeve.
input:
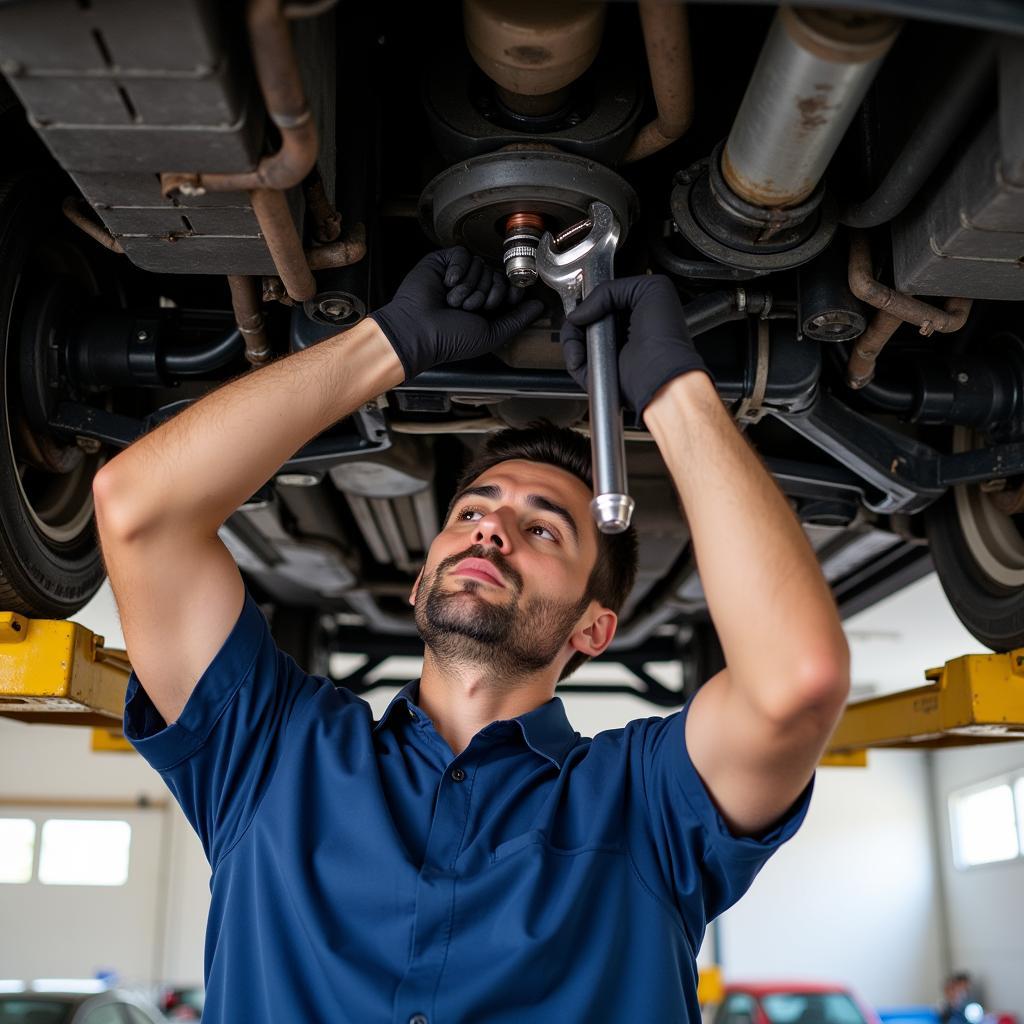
(705, 866)
(219, 756)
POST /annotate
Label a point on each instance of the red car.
(792, 1003)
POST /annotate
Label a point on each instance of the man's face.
(504, 581)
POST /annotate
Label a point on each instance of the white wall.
(986, 903)
(852, 898)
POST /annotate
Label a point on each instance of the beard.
(512, 639)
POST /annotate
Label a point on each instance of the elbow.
(822, 682)
(111, 507)
(817, 686)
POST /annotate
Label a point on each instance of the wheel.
(977, 544)
(50, 561)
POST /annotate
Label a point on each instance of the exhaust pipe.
(813, 72)
(758, 202)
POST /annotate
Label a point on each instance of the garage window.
(17, 846)
(76, 852)
(987, 822)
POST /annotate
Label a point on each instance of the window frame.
(1014, 781)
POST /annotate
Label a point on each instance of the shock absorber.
(519, 255)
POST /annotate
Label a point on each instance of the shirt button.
(458, 775)
(412, 714)
(418, 1018)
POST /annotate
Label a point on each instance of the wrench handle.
(612, 507)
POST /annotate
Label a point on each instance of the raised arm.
(757, 729)
(160, 503)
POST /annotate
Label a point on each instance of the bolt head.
(142, 335)
(335, 308)
(962, 378)
(89, 445)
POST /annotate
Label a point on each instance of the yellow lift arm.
(58, 672)
(977, 698)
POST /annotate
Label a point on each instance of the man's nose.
(493, 529)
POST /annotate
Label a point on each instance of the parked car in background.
(35, 1003)
(792, 1003)
(182, 1002)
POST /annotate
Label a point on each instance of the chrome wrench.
(574, 274)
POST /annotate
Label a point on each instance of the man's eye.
(467, 511)
(540, 526)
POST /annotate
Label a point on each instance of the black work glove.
(657, 347)
(440, 312)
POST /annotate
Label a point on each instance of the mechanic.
(469, 857)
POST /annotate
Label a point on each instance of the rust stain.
(813, 111)
(533, 55)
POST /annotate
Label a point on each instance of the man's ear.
(593, 639)
(415, 587)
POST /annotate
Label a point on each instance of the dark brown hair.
(614, 571)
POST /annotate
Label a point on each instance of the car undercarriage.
(837, 192)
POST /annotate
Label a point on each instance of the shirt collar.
(546, 729)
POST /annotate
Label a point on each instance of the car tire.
(978, 552)
(50, 559)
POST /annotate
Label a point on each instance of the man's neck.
(463, 699)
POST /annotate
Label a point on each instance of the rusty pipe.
(72, 208)
(245, 300)
(277, 71)
(326, 219)
(928, 318)
(667, 42)
(894, 308)
(861, 367)
(349, 248)
(278, 229)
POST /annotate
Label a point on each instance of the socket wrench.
(573, 273)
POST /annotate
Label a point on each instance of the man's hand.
(657, 348)
(439, 313)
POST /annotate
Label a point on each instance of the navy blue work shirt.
(363, 874)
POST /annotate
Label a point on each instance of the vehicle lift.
(58, 672)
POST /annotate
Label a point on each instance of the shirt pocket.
(532, 837)
(535, 837)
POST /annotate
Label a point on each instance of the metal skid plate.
(469, 203)
(967, 235)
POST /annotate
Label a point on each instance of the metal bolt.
(142, 335)
(298, 479)
(962, 378)
(335, 308)
(89, 445)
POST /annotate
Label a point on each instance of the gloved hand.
(657, 347)
(438, 312)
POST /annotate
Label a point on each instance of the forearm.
(771, 606)
(196, 469)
